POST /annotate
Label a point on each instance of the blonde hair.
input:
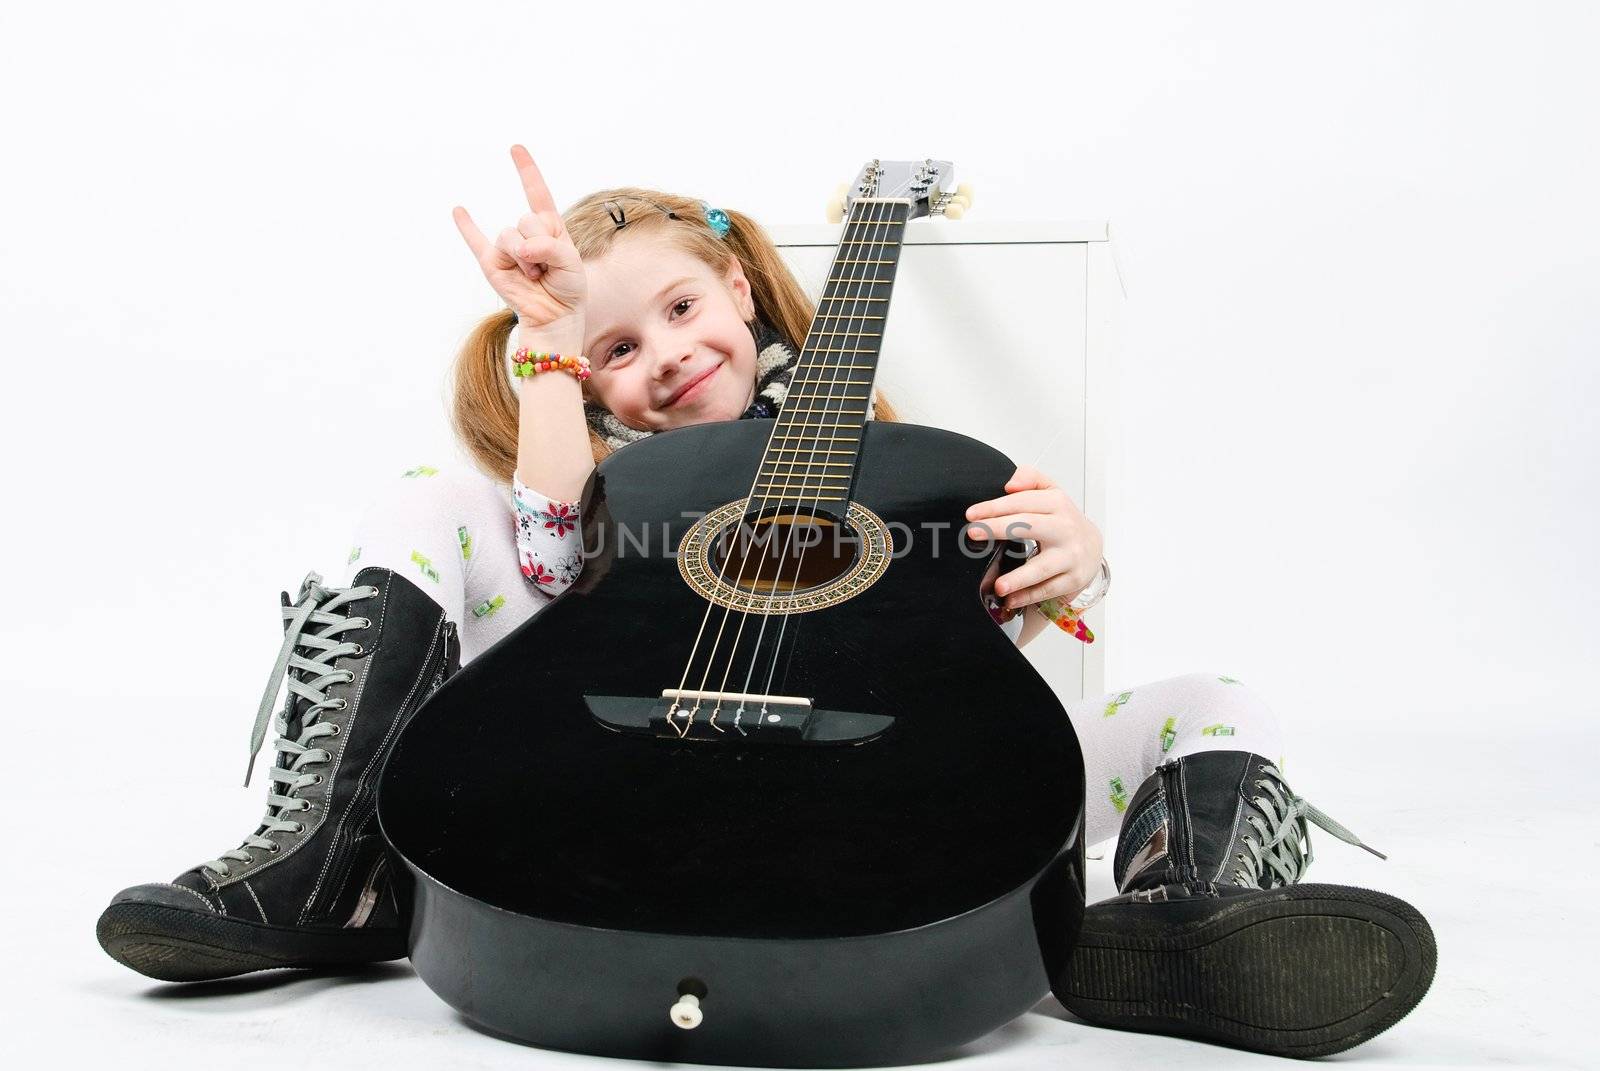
(484, 409)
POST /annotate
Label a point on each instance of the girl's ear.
(743, 299)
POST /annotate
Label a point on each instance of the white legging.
(451, 530)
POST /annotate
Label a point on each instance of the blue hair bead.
(717, 219)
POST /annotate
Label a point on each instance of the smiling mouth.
(707, 374)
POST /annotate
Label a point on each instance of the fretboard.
(816, 438)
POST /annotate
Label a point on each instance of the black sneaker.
(1213, 937)
(311, 887)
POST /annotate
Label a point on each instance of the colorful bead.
(716, 219)
(526, 362)
(1066, 618)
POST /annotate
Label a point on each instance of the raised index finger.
(539, 198)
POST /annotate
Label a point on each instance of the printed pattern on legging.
(1125, 735)
(451, 530)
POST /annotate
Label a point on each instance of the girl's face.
(667, 340)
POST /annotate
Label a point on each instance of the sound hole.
(784, 552)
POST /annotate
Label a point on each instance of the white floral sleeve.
(549, 539)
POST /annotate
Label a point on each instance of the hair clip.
(717, 219)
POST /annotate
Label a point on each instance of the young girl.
(637, 312)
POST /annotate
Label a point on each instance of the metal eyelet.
(318, 781)
(348, 676)
(360, 650)
(371, 592)
(276, 848)
(342, 703)
(336, 731)
(299, 827)
(366, 622)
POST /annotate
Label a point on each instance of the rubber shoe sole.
(174, 945)
(1303, 971)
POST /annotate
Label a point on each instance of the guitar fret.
(831, 439)
(865, 260)
(838, 349)
(812, 475)
(808, 464)
(824, 398)
(802, 449)
(802, 492)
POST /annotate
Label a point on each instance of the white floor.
(1493, 838)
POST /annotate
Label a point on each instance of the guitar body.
(900, 877)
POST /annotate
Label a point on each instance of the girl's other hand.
(1070, 545)
(534, 266)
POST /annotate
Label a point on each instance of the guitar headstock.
(929, 185)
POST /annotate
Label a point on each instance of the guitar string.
(706, 616)
(782, 496)
(877, 247)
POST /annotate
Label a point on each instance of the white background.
(1356, 470)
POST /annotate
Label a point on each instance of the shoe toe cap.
(165, 894)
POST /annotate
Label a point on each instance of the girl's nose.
(670, 359)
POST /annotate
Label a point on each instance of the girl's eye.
(612, 353)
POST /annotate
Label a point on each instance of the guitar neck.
(816, 438)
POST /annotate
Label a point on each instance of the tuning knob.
(954, 210)
(964, 191)
(686, 1013)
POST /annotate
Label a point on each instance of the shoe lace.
(1274, 856)
(304, 661)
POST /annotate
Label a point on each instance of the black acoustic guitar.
(766, 785)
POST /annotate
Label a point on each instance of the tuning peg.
(836, 203)
(964, 191)
(954, 210)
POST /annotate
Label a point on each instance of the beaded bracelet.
(1066, 618)
(526, 362)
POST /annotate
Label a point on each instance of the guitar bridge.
(734, 717)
